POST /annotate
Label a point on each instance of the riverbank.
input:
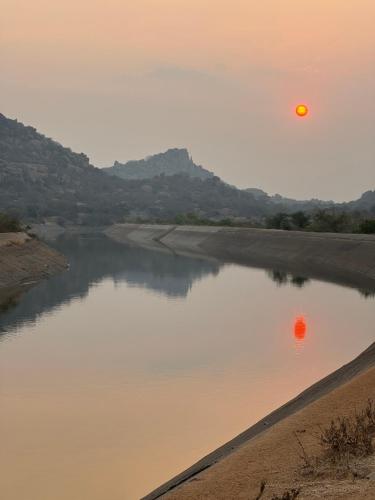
(346, 259)
(24, 261)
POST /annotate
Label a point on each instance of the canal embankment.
(346, 259)
(25, 260)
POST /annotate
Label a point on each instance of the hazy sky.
(122, 79)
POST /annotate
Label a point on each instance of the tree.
(300, 219)
(367, 226)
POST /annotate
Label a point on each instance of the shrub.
(350, 437)
(300, 219)
(9, 224)
(287, 495)
(367, 226)
(279, 221)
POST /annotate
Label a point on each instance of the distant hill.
(283, 204)
(40, 179)
(172, 162)
(365, 202)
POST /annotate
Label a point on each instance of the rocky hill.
(172, 162)
(283, 204)
(164, 197)
(365, 202)
(40, 179)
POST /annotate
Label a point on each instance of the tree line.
(324, 221)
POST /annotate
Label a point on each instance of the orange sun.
(302, 110)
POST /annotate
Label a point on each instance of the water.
(122, 372)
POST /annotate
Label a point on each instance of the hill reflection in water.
(95, 258)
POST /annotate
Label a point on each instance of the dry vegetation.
(287, 495)
(346, 446)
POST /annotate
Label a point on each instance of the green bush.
(9, 224)
(367, 226)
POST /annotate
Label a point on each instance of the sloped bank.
(347, 259)
(25, 260)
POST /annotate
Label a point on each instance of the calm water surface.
(128, 368)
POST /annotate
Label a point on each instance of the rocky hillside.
(40, 178)
(282, 204)
(164, 197)
(172, 162)
(365, 202)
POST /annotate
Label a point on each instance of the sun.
(302, 110)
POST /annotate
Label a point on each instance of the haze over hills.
(41, 179)
(365, 202)
(289, 204)
(172, 162)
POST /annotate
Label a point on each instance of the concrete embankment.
(341, 258)
(25, 260)
(348, 259)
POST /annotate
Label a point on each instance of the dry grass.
(287, 495)
(350, 437)
(345, 445)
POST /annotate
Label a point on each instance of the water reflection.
(284, 278)
(116, 390)
(300, 328)
(367, 294)
(95, 258)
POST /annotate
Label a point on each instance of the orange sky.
(120, 80)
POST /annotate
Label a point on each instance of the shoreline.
(345, 259)
(24, 261)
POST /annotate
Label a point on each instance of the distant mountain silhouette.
(42, 180)
(365, 202)
(281, 203)
(172, 162)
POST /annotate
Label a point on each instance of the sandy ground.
(275, 456)
(8, 239)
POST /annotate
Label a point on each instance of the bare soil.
(275, 456)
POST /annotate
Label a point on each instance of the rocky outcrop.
(172, 162)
